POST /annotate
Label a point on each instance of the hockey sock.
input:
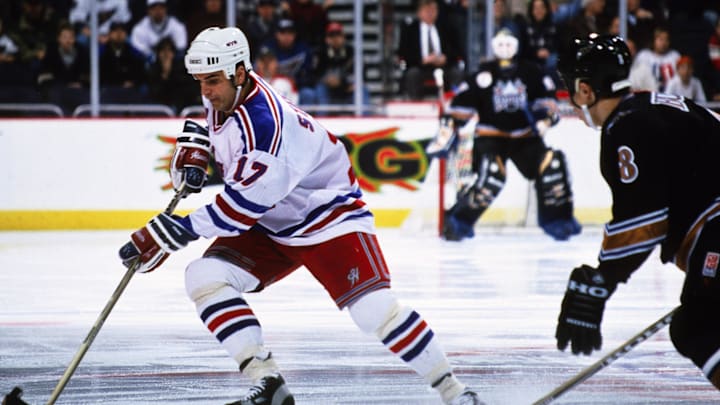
(407, 335)
(231, 320)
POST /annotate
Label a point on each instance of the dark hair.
(165, 42)
(548, 15)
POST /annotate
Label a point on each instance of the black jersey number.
(626, 163)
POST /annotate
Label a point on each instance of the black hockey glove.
(154, 242)
(582, 310)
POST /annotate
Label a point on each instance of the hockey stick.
(440, 83)
(85, 345)
(609, 358)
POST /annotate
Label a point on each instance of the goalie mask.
(504, 45)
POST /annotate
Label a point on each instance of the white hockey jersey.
(283, 172)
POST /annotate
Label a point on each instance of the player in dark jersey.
(515, 104)
(659, 157)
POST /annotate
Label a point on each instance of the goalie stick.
(609, 358)
(85, 345)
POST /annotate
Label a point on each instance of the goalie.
(515, 105)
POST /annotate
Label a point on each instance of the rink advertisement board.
(112, 173)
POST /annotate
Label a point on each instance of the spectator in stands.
(455, 15)
(714, 46)
(168, 80)
(660, 58)
(8, 51)
(310, 19)
(108, 12)
(684, 83)
(334, 65)
(564, 11)
(591, 19)
(64, 75)
(260, 28)
(266, 65)
(541, 37)
(16, 85)
(156, 25)
(425, 44)
(212, 14)
(122, 68)
(641, 76)
(640, 24)
(504, 20)
(714, 55)
(294, 59)
(37, 27)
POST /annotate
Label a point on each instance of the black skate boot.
(270, 390)
(13, 398)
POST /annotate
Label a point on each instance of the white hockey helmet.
(504, 44)
(216, 49)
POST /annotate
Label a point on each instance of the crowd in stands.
(44, 46)
(675, 43)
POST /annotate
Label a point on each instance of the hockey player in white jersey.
(290, 199)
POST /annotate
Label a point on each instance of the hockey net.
(449, 175)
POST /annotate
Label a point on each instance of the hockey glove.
(444, 140)
(582, 310)
(188, 168)
(154, 242)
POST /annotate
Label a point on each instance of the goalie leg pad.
(474, 199)
(555, 198)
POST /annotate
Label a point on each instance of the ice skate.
(455, 229)
(270, 390)
(13, 398)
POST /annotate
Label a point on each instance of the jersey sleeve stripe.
(625, 251)
(317, 212)
(635, 222)
(357, 204)
(243, 203)
(219, 223)
(231, 216)
(634, 235)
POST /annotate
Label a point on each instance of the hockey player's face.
(217, 89)
(582, 99)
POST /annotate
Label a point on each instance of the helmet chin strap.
(588, 118)
(586, 108)
(238, 88)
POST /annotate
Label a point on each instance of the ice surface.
(492, 301)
